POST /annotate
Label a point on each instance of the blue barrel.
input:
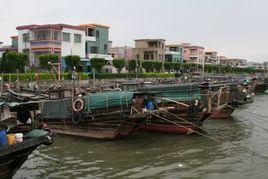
(150, 105)
(3, 136)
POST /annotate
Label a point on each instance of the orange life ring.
(78, 105)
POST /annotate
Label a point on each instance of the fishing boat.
(259, 84)
(177, 109)
(12, 157)
(107, 115)
(222, 98)
(19, 141)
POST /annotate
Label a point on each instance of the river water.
(153, 155)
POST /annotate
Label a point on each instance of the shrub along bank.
(67, 76)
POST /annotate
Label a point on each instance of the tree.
(119, 64)
(44, 60)
(72, 61)
(132, 65)
(97, 63)
(148, 66)
(12, 61)
(157, 66)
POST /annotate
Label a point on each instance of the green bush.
(133, 75)
(45, 58)
(119, 64)
(97, 63)
(72, 61)
(13, 61)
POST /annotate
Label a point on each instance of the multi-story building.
(174, 53)
(59, 39)
(149, 49)
(255, 65)
(233, 62)
(87, 41)
(193, 54)
(121, 52)
(96, 41)
(11, 48)
(211, 57)
(265, 64)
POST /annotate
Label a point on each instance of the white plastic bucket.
(19, 137)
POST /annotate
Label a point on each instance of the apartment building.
(96, 41)
(265, 64)
(59, 39)
(121, 52)
(87, 41)
(211, 57)
(149, 49)
(255, 65)
(193, 54)
(174, 53)
(11, 48)
(233, 62)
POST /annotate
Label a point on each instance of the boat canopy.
(179, 92)
(107, 99)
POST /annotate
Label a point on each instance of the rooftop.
(173, 45)
(150, 40)
(94, 25)
(54, 26)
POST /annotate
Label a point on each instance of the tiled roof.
(8, 47)
(54, 26)
(94, 25)
(150, 40)
(173, 45)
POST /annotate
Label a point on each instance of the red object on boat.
(169, 128)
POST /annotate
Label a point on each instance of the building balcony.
(105, 56)
(90, 38)
(45, 44)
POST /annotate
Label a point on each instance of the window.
(66, 37)
(77, 38)
(97, 33)
(25, 37)
(94, 49)
(90, 32)
(105, 46)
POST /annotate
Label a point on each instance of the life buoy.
(78, 105)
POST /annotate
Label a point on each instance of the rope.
(217, 140)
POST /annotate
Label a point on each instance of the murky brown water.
(147, 155)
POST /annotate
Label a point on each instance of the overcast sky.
(234, 28)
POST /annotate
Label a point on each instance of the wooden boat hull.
(169, 128)
(180, 128)
(260, 88)
(13, 157)
(223, 113)
(99, 129)
(98, 133)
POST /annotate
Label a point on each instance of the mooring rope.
(215, 139)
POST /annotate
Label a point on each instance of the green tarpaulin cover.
(178, 92)
(107, 99)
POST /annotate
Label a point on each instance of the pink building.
(121, 52)
(193, 54)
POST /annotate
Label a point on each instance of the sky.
(233, 28)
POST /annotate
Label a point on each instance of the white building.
(61, 39)
(255, 65)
